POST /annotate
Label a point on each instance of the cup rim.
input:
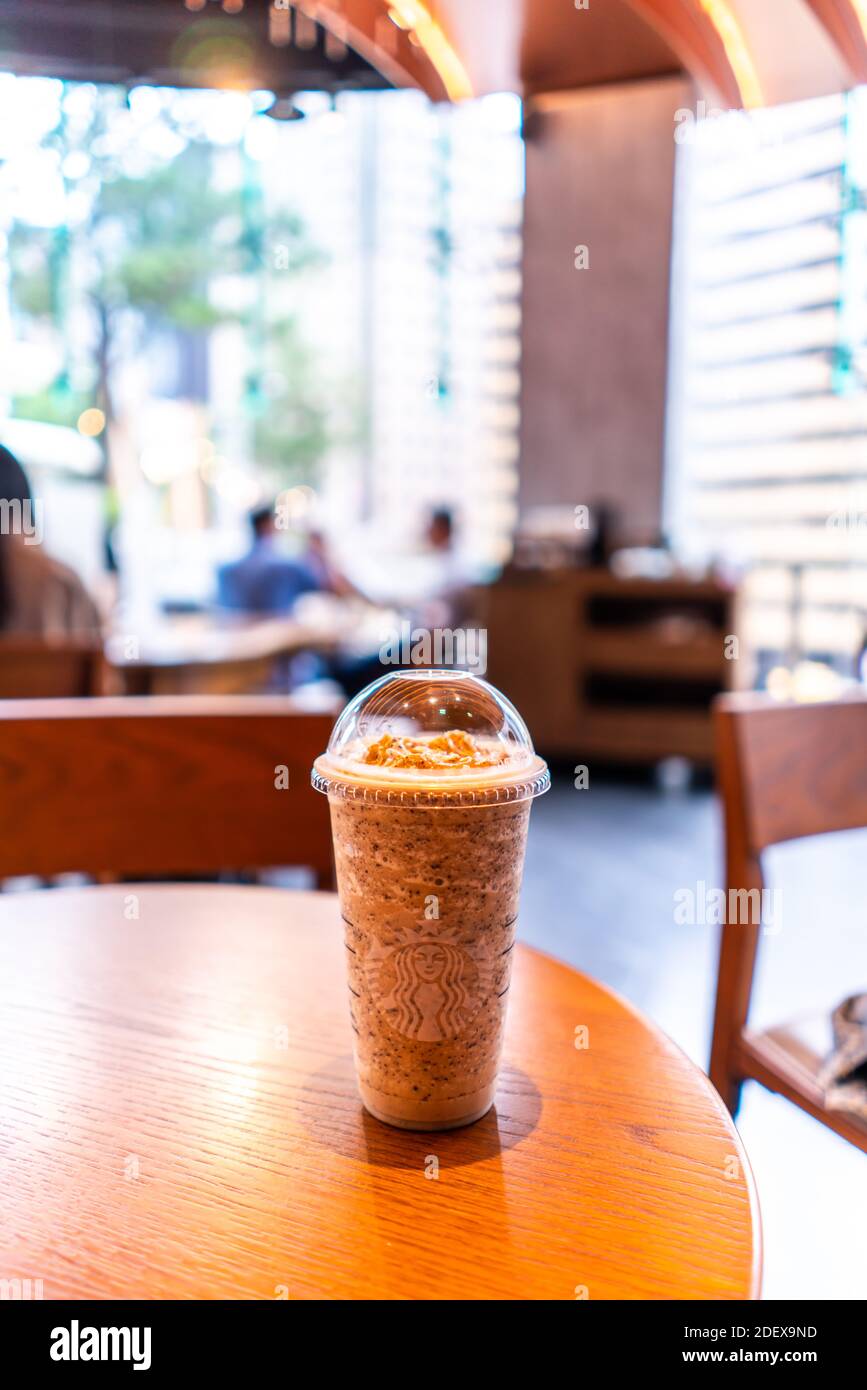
(417, 787)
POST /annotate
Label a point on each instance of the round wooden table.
(178, 1119)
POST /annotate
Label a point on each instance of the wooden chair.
(36, 668)
(176, 786)
(785, 772)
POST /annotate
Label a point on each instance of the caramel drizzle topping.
(453, 749)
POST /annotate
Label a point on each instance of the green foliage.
(57, 405)
(31, 282)
(289, 430)
(162, 238)
(153, 250)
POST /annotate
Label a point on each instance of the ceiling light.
(284, 109)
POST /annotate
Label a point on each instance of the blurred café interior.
(329, 323)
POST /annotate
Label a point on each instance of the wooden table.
(207, 654)
(178, 1119)
(226, 653)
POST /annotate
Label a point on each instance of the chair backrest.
(180, 785)
(790, 770)
(34, 668)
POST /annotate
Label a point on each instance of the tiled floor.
(603, 866)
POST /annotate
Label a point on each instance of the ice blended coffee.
(430, 777)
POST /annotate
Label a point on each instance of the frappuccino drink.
(430, 776)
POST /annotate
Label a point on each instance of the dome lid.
(431, 737)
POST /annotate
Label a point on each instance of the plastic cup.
(430, 777)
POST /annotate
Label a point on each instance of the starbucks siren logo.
(429, 987)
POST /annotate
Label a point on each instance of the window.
(419, 208)
(768, 424)
(380, 374)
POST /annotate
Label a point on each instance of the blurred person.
(351, 670)
(440, 532)
(265, 580)
(39, 596)
(602, 539)
(448, 578)
(318, 560)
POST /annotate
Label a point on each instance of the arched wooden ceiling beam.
(846, 22)
(720, 42)
(710, 42)
(416, 50)
(401, 38)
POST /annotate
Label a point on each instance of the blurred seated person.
(318, 560)
(447, 577)
(265, 580)
(39, 597)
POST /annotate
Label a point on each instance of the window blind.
(768, 424)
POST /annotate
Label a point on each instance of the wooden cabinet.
(620, 669)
